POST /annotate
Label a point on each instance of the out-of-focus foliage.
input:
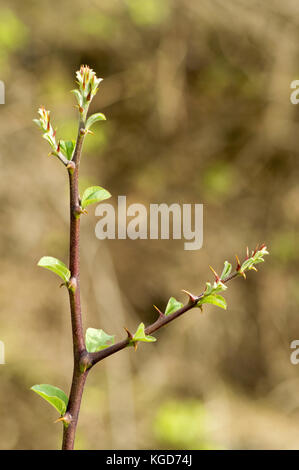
(181, 424)
(197, 100)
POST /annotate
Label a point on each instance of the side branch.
(163, 320)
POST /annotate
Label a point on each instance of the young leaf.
(213, 289)
(172, 306)
(78, 96)
(97, 339)
(56, 266)
(53, 395)
(214, 300)
(94, 194)
(93, 119)
(226, 270)
(38, 123)
(141, 336)
(67, 148)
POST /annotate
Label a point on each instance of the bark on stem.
(79, 350)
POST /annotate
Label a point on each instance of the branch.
(49, 134)
(163, 320)
(210, 295)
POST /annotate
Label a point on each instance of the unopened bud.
(72, 284)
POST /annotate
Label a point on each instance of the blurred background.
(197, 99)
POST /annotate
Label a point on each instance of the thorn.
(254, 268)
(135, 345)
(62, 418)
(159, 311)
(130, 336)
(201, 308)
(65, 419)
(256, 249)
(243, 274)
(238, 263)
(247, 253)
(192, 298)
(215, 274)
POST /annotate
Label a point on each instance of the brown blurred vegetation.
(196, 94)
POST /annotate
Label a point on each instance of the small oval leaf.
(67, 147)
(172, 306)
(214, 300)
(58, 267)
(97, 339)
(226, 270)
(53, 395)
(94, 194)
(93, 119)
(78, 96)
(141, 336)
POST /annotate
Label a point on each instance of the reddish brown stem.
(79, 350)
(72, 414)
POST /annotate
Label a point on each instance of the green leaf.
(217, 286)
(78, 96)
(53, 395)
(49, 138)
(172, 306)
(214, 300)
(67, 147)
(56, 266)
(97, 339)
(226, 270)
(94, 194)
(93, 119)
(141, 336)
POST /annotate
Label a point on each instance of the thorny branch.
(70, 155)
